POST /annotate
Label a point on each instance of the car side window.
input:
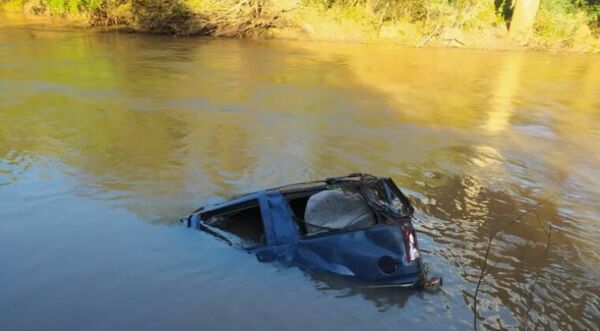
(245, 224)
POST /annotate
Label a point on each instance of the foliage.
(162, 16)
(466, 14)
(559, 22)
(592, 8)
(11, 5)
(564, 23)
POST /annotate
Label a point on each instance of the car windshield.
(382, 195)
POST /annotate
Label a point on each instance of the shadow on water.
(384, 299)
(157, 126)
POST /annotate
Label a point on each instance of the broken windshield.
(350, 204)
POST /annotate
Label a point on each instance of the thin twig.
(485, 259)
(387, 3)
(489, 246)
(449, 40)
(424, 42)
(535, 280)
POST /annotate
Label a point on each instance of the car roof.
(242, 201)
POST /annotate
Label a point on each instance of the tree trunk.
(523, 18)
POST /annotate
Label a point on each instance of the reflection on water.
(501, 106)
(103, 134)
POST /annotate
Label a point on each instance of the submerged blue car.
(356, 226)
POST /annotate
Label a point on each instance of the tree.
(523, 17)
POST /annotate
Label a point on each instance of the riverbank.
(559, 25)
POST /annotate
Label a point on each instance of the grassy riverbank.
(559, 24)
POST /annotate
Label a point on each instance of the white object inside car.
(334, 210)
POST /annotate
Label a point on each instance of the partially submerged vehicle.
(356, 226)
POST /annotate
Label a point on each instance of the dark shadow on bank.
(175, 17)
(505, 9)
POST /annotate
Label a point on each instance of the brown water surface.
(107, 139)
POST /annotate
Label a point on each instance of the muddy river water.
(106, 139)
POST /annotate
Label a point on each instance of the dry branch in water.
(484, 266)
(537, 275)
